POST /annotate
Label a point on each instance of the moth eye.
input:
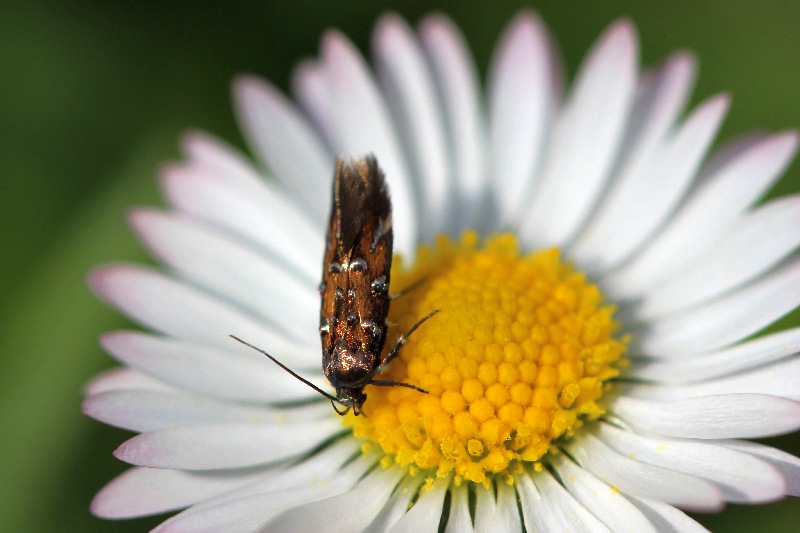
(379, 285)
(358, 265)
(352, 319)
(334, 267)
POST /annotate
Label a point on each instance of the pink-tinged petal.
(199, 368)
(666, 518)
(600, 499)
(217, 446)
(147, 491)
(462, 108)
(700, 367)
(397, 506)
(459, 519)
(311, 89)
(743, 478)
(651, 195)
(660, 97)
(207, 153)
(522, 104)
(286, 143)
(725, 190)
(641, 479)
(585, 141)
(711, 417)
(153, 410)
(409, 87)
(726, 320)
(768, 235)
(352, 511)
(788, 464)
(254, 512)
(562, 509)
(258, 213)
(180, 310)
(362, 125)
(425, 515)
(223, 264)
(123, 379)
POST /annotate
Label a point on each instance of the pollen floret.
(516, 361)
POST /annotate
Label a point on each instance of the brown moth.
(355, 287)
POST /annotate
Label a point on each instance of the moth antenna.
(293, 373)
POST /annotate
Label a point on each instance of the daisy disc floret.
(518, 358)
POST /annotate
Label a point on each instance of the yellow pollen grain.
(515, 362)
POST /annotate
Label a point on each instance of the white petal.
(700, 367)
(145, 491)
(666, 518)
(725, 190)
(225, 266)
(216, 446)
(459, 519)
(758, 242)
(123, 379)
(585, 140)
(397, 506)
(461, 104)
(352, 511)
(521, 108)
(499, 515)
(263, 218)
(325, 464)
(199, 368)
(711, 417)
(659, 99)
(562, 509)
(152, 410)
(641, 479)
(601, 500)
(362, 125)
(742, 477)
(650, 195)
(427, 511)
(254, 512)
(725, 320)
(485, 509)
(177, 309)
(779, 379)
(411, 94)
(546, 506)
(788, 464)
(286, 143)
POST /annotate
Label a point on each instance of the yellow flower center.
(516, 360)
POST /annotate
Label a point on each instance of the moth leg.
(418, 283)
(402, 340)
(388, 383)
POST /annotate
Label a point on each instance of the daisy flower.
(601, 278)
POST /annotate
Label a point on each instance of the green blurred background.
(94, 96)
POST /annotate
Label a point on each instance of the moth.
(355, 287)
